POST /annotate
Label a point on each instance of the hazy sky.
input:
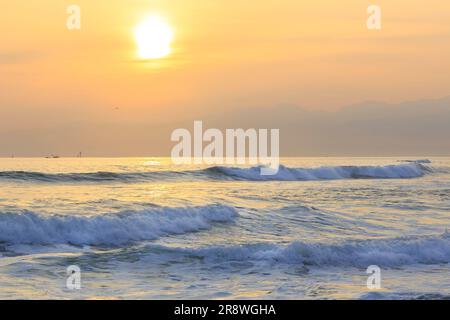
(64, 91)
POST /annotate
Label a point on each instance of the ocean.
(143, 228)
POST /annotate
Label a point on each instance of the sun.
(153, 37)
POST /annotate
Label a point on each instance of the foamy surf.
(149, 231)
(393, 252)
(110, 229)
(404, 170)
(397, 171)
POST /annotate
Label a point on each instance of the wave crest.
(406, 170)
(362, 253)
(397, 171)
(110, 229)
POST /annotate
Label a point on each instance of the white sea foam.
(383, 252)
(109, 229)
(397, 171)
(406, 169)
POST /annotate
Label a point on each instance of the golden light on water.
(154, 37)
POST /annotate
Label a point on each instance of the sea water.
(143, 228)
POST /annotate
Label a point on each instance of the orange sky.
(226, 55)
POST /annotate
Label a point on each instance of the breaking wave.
(412, 169)
(359, 253)
(398, 171)
(110, 229)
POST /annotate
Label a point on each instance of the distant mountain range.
(367, 129)
(371, 128)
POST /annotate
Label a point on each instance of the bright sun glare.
(153, 37)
